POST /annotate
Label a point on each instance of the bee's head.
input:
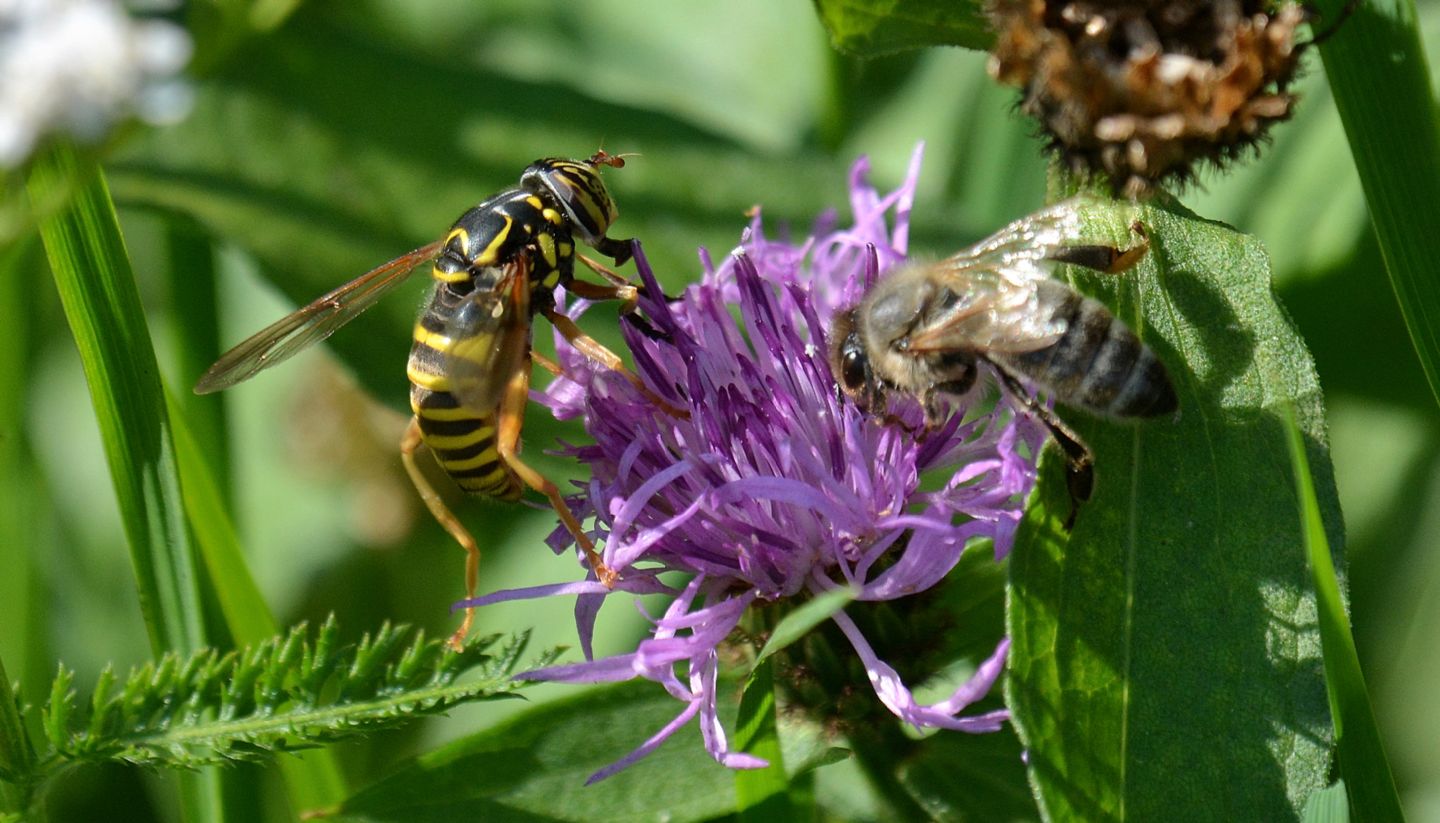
(850, 362)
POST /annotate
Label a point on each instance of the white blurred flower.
(80, 65)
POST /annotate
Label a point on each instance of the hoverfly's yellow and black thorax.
(500, 229)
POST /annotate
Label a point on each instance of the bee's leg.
(511, 417)
(595, 350)
(1106, 259)
(409, 443)
(1079, 459)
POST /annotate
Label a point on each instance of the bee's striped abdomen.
(462, 440)
(1099, 363)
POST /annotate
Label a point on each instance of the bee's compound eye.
(854, 369)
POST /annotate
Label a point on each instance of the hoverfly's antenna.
(614, 161)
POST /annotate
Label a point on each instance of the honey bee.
(925, 330)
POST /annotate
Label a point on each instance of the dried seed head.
(1140, 91)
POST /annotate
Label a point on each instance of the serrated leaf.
(1165, 652)
(870, 28)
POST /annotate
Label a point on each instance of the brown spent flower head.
(1141, 91)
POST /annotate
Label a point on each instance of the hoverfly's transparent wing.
(487, 339)
(994, 301)
(284, 338)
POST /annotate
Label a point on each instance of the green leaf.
(1398, 158)
(284, 695)
(798, 623)
(1165, 652)
(97, 289)
(957, 776)
(870, 28)
(1329, 805)
(24, 504)
(1362, 756)
(17, 755)
(761, 794)
(534, 767)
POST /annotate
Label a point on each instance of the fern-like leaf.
(287, 694)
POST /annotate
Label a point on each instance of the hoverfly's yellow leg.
(627, 294)
(1106, 259)
(511, 418)
(595, 350)
(410, 443)
(547, 364)
(606, 272)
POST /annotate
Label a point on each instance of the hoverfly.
(469, 367)
(925, 329)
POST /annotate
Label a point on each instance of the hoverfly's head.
(576, 187)
(850, 362)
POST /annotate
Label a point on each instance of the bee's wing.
(1018, 248)
(285, 337)
(992, 300)
(488, 338)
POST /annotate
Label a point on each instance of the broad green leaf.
(1377, 67)
(534, 767)
(874, 27)
(1166, 655)
(1362, 756)
(957, 776)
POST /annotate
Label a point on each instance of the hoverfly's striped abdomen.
(1099, 363)
(463, 441)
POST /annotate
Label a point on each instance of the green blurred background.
(357, 130)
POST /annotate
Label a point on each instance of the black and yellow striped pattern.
(537, 221)
(462, 440)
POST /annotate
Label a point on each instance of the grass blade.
(24, 507)
(1368, 780)
(1377, 68)
(97, 290)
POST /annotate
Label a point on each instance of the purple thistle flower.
(775, 487)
